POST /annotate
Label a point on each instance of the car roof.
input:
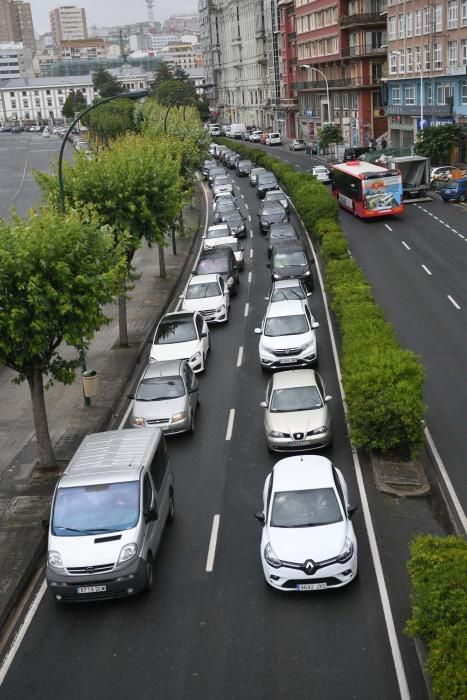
(273, 205)
(255, 170)
(204, 279)
(289, 307)
(220, 242)
(293, 378)
(286, 246)
(215, 253)
(165, 368)
(302, 472)
(179, 316)
(217, 227)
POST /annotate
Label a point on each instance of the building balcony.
(236, 41)
(260, 34)
(237, 64)
(364, 50)
(414, 110)
(289, 104)
(291, 36)
(368, 19)
(356, 82)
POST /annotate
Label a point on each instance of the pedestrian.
(384, 143)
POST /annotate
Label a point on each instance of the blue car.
(454, 190)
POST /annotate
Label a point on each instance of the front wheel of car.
(171, 512)
(192, 424)
(149, 574)
(462, 198)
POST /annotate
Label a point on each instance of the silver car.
(278, 196)
(222, 183)
(297, 416)
(166, 397)
(254, 172)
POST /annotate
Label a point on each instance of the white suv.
(288, 336)
(274, 139)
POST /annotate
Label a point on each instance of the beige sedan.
(297, 417)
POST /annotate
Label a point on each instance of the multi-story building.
(341, 56)
(427, 57)
(185, 56)
(187, 22)
(16, 23)
(288, 67)
(15, 61)
(78, 49)
(68, 23)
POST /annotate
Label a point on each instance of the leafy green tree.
(105, 84)
(111, 120)
(175, 92)
(329, 134)
(163, 72)
(56, 273)
(437, 142)
(75, 102)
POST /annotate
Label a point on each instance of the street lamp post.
(305, 65)
(133, 95)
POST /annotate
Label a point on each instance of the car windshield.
(222, 180)
(203, 290)
(218, 232)
(272, 208)
(267, 180)
(207, 266)
(258, 171)
(244, 164)
(233, 245)
(96, 509)
(175, 332)
(282, 235)
(214, 172)
(300, 398)
(295, 259)
(288, 293)
(450, 185)
(275, 195)
(160, 388)
(320, 170)
(286, 325)
(307, 508)
(227, 205)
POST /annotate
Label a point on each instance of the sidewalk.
(24, 492)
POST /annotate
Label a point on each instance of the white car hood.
(287, 341)
(83, 551)
(297, 421)
(202, 304)
(175, 351)
(297, 544)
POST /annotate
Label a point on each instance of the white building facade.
(15, 61)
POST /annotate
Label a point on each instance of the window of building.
(392, 28)
(37, 103)
(25, 104)
(418, 57)
(409, 60)
(439, 18)
(437, 57)
(429, 94)
(464, 52)
(47, 92)
(36, 93)
(392, 63)
(452, 14)
(12, 94)
(401, 25)
(409, 25)
(396, 95)
(464, 93)
(418, 22)
(13, 104)
(345, 101)
(426, 20)
(354, 100)
(410, 95)
(27, 115)
(443, 91)
(49, 103)
(427, 62)
(402, 61)
(463, 13)
(336, 102)
(452, 53)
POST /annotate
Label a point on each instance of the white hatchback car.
(274, 139)
(179, 336)
(308, 541)
(321, 173)
(288, 336)
(209, 295)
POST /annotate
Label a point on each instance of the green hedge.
(438, 575)
(383, 382)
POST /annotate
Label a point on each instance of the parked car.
(236, 221)
(255, 136)
(442, 171)
(280, 233)
(454, 190)
(181, 336)
(308, 542)
(290, 259)
(287, 336)
(207, 294)
(273, 139)
(254, 172)
(297, 416)
(220, 261)
(222, 183)
(243, 167)
(228, 242)
(16, 129)
(206, 165)
(284, 290)
(297, 145)
(271, 213)
(266, 181)
(321, 173)
(278, 196)
(166, 397)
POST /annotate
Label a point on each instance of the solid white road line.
(250, 275)
(426, 270)
(240, 356)
(212, 543)
(251, 252)
(405, 245)
(453, 302)
(230, 422)
(388, 227)
(247, 309)
(447, 480)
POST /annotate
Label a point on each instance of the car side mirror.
(350, 511)
(258, 331)
(130, 396)
(328, 398)
(263, 404)
(315, 324)
(260, 517)
(309, 294)
(150, 514)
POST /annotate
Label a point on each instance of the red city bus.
(367, 190)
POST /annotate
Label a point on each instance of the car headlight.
(55, 560)
(196, 357)
(220, 309)
(127, 553)
(177, 417)
(347, 551)
(277, 434)
(137, 420)
(276, 276)
(318, 431)
(271, 558)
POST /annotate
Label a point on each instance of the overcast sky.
(110, 12)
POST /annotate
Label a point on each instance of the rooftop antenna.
(150, 6)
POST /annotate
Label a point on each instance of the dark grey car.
(271, 213)
(280, 232)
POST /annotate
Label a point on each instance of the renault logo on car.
(310, 567)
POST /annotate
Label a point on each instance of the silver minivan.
(108, 514)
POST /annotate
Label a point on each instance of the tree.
(105, 84)
(162, 73)
(329, 134)
(111, 120)
(75, 102)
(437, 142)
(56, 273)
(175, 92)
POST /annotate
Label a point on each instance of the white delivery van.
(215, 129)
(108, 515)
(237, 130)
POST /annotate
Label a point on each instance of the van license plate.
(311, 586)
(91, 589)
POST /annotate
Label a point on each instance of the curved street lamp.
(132, 95)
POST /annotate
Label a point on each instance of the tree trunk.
(162, 272)
(122, 322)
(41, 424)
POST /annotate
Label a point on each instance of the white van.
(215, 129)
(108, 514)
(237, 131)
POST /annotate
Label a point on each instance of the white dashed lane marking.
(426, 269)
(405, 245)
(453, 302)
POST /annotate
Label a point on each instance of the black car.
(291, 260)
(243, 167)
(271, 213)
(214, 172)
(220, 261)
(16, 129)
(206, 165)
(222, 207)
(280, 233)
(355, 152)
(266, 182)
(235, 220)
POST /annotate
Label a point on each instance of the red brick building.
(288, 101)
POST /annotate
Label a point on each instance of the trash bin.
(89, 378)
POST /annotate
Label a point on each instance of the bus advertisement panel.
(367, 190)
(382, 194)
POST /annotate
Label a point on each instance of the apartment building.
(288, 68)
(185, 56)
(341, 63)
(15, 61)
(82, 49)
(68, 23)
(16, 23)
(427, 55)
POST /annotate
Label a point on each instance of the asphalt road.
(226, 635)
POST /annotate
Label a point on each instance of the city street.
(225, 634)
